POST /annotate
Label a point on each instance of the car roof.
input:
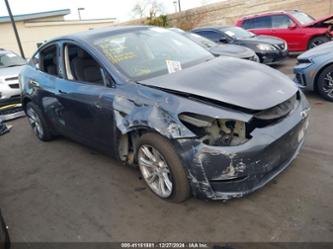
(93, 33)
(212, 28)
(269, 13)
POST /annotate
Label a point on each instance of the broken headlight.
(216, 132)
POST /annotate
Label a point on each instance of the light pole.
(79, 12)
(14, 28)
(175, 4)
(179, 7)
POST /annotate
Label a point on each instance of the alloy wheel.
(35, 122)
(328, 85)
(155, 171)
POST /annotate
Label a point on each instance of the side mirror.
(292, 26)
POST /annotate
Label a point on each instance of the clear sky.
(120, 9)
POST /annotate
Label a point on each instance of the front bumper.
(305, 75)
(8, 91)
(272, 57)
(221, 173)
(10, 101)
(11, 109)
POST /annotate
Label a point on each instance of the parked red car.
(300, 30)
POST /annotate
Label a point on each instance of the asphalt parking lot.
(61, 191)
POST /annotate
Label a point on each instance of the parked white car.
(10, 92)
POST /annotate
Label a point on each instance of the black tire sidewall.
(47, 134)
(180, 182)
(321, 81)
(322, 38)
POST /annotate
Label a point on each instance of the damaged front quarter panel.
(156, 110)
(214, 171)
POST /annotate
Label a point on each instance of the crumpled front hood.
(233, 81)
(323, 49)
(319, 21)
(232, 50)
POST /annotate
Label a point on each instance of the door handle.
(62, 92)
(33, 83)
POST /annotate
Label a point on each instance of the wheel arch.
(313, 37)
(127, 142)
(315, 81)
(25, 101)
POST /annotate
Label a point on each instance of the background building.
(35, 28)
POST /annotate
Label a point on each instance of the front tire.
(37, 122)
(162, 169)
(325, 83)
(318, 40)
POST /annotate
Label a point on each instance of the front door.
(285, 28)
(85, 114)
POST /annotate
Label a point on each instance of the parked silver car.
(10, 92)
(314, 70)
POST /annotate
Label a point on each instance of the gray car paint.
(134, 107)
(233, 51)
(269, 88)
(317, 59)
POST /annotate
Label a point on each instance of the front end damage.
(227, 151)
(225, 171)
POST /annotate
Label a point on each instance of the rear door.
(261, 25)
(212, 35)
(285, 28)
(216, 36)
(40, 78)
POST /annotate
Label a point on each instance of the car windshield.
(302, 18)
(202, 41)
(237, 33)
(150, 52)
(11, 60)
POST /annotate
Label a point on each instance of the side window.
(258, 23)
(47, 60)
(35, 61)
(80, 66)
(214, 36)
(281, 21)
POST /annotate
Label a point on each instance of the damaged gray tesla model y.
(215, 128)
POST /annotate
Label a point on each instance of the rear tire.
(325, 83)
(318, 40)
(168, 168)
(38, 122)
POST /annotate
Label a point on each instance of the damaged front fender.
(157, 110)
